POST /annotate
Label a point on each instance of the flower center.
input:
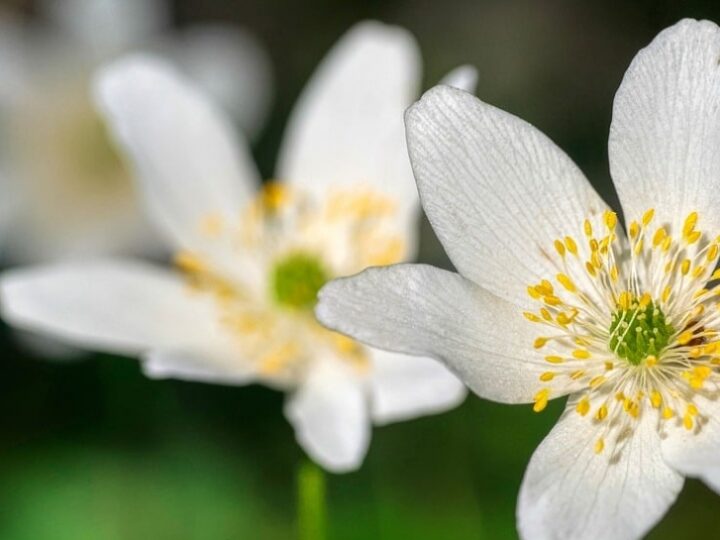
(296, 280)
(638, 329)
(632, 324)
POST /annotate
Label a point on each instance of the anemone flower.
(251, 259)
(553, 298)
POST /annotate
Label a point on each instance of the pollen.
(630, 322)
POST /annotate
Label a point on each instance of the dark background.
(94, 450)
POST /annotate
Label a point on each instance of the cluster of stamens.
(296, 245)
(632, 324)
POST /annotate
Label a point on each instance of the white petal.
(189, 163)
(421, 310)
(496, 190)
(231, 66)
(696, 451)
(189, 366)
(124, 307)
(665, 129)
(570, 492)
(462, 78)
(330, 416)
(105, 27)
(404, 387)
(712, 478)
(347, 125)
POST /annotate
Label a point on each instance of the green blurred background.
(94, 450)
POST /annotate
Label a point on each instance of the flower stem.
(311, 504)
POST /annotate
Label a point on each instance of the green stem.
(312, 508)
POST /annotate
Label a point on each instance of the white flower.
(253, 258)
(71, 193)
(553, 298)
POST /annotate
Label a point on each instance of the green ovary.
(639, 331)
(296, 280)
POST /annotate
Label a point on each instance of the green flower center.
(638, 329)
(296, 280)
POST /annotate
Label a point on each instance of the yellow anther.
(712, 252)
(533, 292)
(609, 366)
(590, 269)
(667, 243)
(688, 422)
(648, 216)
(587, 227)
(634, 409)
(552, 300)
(190, 262)
(651, 361)
(554, 359)
(702, 371)
(571, 245)
(698, 271)
(581, 354)
(620, 396)
(634, 229)
(560, 248)
(645, 300)
(594, 246)
(700, 292)
(693, 237)
(545, 287)
(579, 374)
(540, 342)
(659, 236)
(715, 275)
(685, 338)
(601, 413)
(583, 406)
(545, 314)
(667, 413)
(597, 381)
(541, 400)
(547, 376)
(610, 219)
(639, 246)
(692, 410)
(625, 300)
(599, 446)
(531, 317)
(690, 222)
(614, 273)
(685, 267)
(666, 293)
(566, 282)
(274, 195)
(656, 399)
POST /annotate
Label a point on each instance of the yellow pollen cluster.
(282, 238)
(631, 324)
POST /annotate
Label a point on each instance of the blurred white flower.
(71, 193)
(553, 299)
(252, 258)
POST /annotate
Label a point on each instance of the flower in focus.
(78, 198)
(554, 298)
(251, 259)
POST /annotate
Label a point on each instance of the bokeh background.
(92, 449)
